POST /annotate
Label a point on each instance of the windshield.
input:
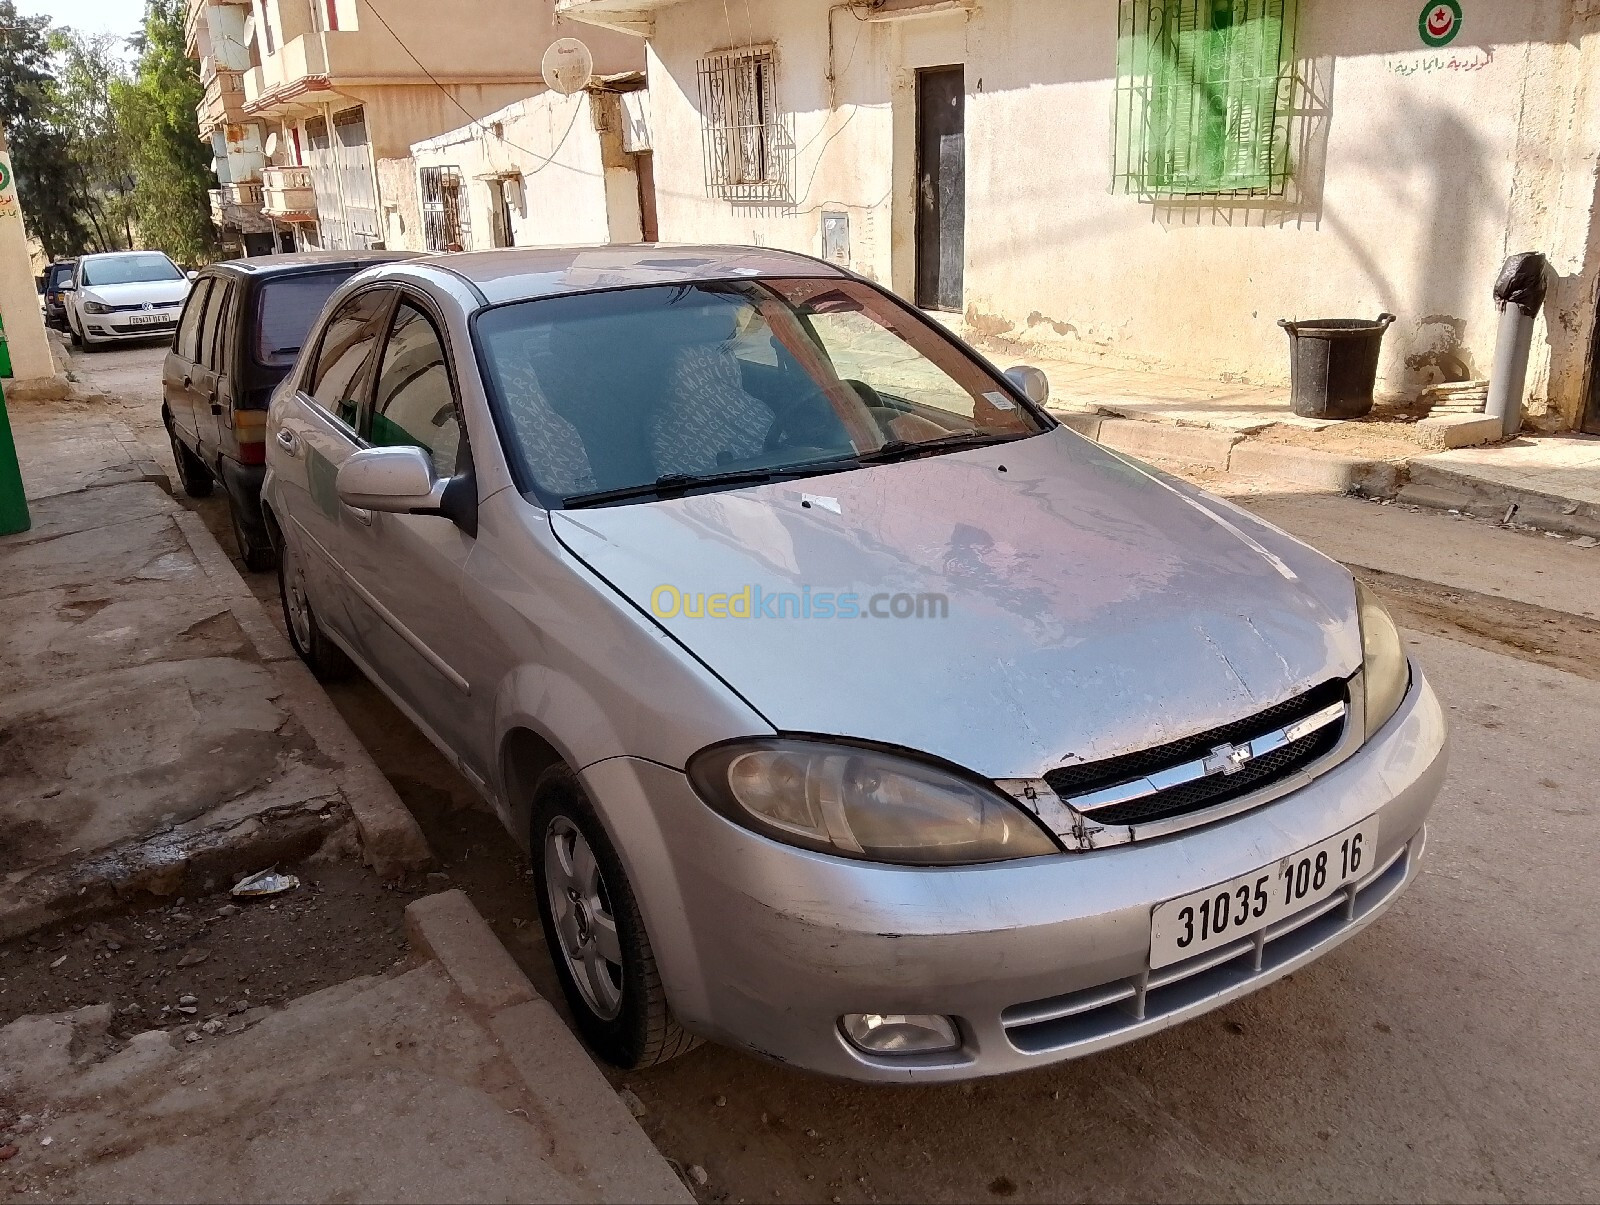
(129, 269)
(287, 309)
(640, 391)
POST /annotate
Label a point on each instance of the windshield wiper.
(672, 485)
(907, 449)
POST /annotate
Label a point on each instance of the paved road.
(1450, 1052)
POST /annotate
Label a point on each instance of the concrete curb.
(1234, 453)
(1445, 489)
(391, 841)
(578, 1102)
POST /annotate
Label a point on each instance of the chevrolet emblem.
(1228, 759)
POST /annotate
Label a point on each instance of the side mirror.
(1034, 384)
(66, 286)
(394, 480)
(192, 274)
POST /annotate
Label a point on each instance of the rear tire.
(193, 475)
(589, 913)
(257, 554)
(325, 659)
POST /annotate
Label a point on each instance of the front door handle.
(289, 441)
(360, 516)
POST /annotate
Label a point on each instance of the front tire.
(596, 934)
(323, 658)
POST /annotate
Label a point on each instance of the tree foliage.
(86, 69)
(155, 117)
(39, 154)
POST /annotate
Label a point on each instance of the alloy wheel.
(295, 606)
(584, 922)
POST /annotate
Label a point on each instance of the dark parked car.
(238, 337)
(55, 305)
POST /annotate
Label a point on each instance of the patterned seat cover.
(706, 413)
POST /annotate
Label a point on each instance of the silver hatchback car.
(854, 712)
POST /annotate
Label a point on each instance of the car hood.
(155, 292)
(1094, 606)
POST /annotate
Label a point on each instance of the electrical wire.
(478, 124)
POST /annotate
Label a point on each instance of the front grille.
(1100, 1016)
(1159, 800)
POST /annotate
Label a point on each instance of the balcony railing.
(248, 194)
(216, 206)
(223, 101)
(287, 193)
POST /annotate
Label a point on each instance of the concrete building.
(547, 170)
(1154, 184)
(339, 87)
(215, 34)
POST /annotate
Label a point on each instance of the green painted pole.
(13, 502)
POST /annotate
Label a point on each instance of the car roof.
(523, 273)
(304, 261)
(122, 254)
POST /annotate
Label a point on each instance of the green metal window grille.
(1205, 92)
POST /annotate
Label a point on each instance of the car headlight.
(863, 803)
(96, 307)
(1385, 670)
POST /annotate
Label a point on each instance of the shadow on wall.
(1427, 163)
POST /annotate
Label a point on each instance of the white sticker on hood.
(818, 500)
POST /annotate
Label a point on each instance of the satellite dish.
(272, 144)
(568, 66)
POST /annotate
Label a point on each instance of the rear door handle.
(289, 442)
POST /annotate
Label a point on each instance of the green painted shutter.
(1203, 88)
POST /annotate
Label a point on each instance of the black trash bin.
(1333, 365)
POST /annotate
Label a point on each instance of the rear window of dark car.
(55, 274)
(285, 310)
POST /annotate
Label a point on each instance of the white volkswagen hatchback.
(122, 295)
(854, 711)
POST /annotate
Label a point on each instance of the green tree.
(86, 69)
(40, 155)
(171, 165)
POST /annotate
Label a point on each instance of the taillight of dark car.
(251, 428)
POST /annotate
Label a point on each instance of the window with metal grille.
(1205, 92)
(746, 152)
(445, 220)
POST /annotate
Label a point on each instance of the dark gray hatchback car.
(239, 336)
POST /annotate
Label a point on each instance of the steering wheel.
(779, 435)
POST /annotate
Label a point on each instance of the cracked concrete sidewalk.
(448, 1080)
(158, 730)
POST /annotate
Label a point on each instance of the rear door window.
(345, 355)
(213, 327)
(187, 343)
(286, 309)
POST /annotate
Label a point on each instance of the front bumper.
(764, 946)
(99, 328)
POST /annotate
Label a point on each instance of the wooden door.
(941, 187)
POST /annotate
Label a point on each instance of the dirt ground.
(230, 955)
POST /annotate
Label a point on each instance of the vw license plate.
(1193, 924)
(147, 319)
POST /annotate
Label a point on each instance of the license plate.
(1193, 924)
(147, 319)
